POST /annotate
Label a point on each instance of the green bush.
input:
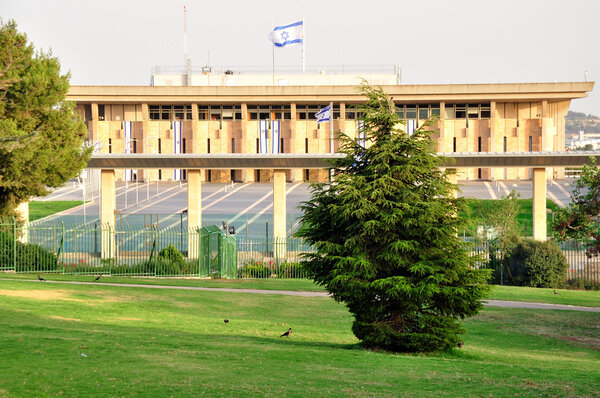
(255, 269)
(172, 253)
(29, 257)
(289, 270)
(537, 264)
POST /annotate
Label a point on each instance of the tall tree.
(41, 135)
(581, 218)
(386, 240)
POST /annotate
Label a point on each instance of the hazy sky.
(110, 42)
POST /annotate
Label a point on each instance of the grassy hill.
(577, 121)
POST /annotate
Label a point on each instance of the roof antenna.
(186, 61)
(585, 76)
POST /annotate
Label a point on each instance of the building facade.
(281, 119)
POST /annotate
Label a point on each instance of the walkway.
(490, 303)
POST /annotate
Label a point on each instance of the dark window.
(478, 144)
(101, 113)
(281, 148)
(306, 145)
(110, 145)
(209, 176)
(453, 144)
(208, 145)
(159, 174)
(505, 144)
(479, 173)
(87, 112)
(306, 174)
(530, 143)
(159, 145)
(257, 145)
(233, 145)
(134, 144)
(460, 111)
(183, 146)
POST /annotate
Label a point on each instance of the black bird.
(287, 334)
(226, 320)
(460, 344)
(98, 278)
(40, 278)
(555, 292)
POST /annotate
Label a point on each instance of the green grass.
(157, 343)
(39, 210)
(525, 216)
(586, 298)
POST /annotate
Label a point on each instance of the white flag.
(287, 35)
(323, 115)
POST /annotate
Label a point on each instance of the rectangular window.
(423, 113)
(449, 109)
(282, 150)
(110, 145)
(159, 145)
(183, 146)
(159, 174)
(485, 111)
(306, 145)
(87, 112)
(101, 112)
(400, 111)
(202, 112)
(530, 144)
(505, 144)
(460, 111)
(453, 144)
(154, 111)
(134, 145)
(257, 145)
(411, 111)
(479, 173)
(478, 144)
(208, 145)
(209, 175)
(233, 145)
(473, 111)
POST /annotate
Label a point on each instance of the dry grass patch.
(39, 294)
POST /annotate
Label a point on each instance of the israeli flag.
(323, 115)
(127, 127)
(287, 35)
(263, 133)
(276, 128)
(176, 147)
(411, 127)
(362, 134)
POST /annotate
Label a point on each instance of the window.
(208, 145)
(134, 146)
(505, 144)
(530, 143)
(478, 144)
(183, 147)
(307, 112)
(159, 145)
(453, 144)
(282, 150)
(306, 145)
(170, 112)
(110, 145)
(101, 113)
(233, 145)
(468, 111)
(417, 111)
(460, 111)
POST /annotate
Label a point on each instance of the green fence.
(102, 250)
(271, 258)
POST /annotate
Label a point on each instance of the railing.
(205, 252)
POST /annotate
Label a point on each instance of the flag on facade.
(411, 126)
(263, 134)
(323, 115)
(275, 128)
(176, 146)
(127, 146)
(362, 135)
(287, 35)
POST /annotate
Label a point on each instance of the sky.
(111, 42)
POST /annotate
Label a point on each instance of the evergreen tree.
(385, 233)
(41, 135)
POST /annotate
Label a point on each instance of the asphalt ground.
(248, 207)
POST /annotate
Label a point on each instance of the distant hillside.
(577, 121)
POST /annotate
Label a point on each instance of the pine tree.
(385, 233)
(41, 135)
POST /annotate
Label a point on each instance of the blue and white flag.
(176, 146)
(127, 146)
(324, 114)
(275, 128)
(287, 35)
(362, 135)
(411, 126)
(263, 133)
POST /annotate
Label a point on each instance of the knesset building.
(236, 127)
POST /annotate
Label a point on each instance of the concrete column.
(194, 192)
(108, 205)
(539, 203)
(453, 179)
(279, 211)
(22, 211)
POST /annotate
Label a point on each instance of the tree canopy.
(581, 218)
(385, 233)
(41, 135)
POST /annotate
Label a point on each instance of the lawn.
(39, 210)
(85, 340)
(525, 216)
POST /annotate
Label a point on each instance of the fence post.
(14, 244)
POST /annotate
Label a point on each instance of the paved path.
(490, 303)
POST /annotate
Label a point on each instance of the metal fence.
(94, 249)
(206, 252)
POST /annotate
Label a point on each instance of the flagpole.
(273, 45)
(331, 136)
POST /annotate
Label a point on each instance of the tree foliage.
(385, 233)
(41, 135)
(581, 219)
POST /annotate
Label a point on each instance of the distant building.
(245, 112)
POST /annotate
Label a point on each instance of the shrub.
(34, 258)
(537, 264)
(289, 270)
(172, 253)
(255, 269)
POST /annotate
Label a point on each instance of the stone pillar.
(279, 212)
(194, 216)
(22, 211)
(539, 203)
(108, 205)
(453, 179)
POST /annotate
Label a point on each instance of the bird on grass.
(460, 344)
(98, 278)
(287, 334)
(40, 278)
(555, 292)
(226, 320)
